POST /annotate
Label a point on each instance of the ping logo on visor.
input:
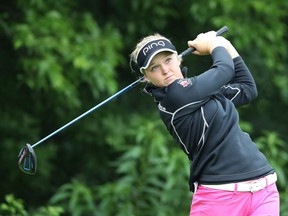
(152, 48)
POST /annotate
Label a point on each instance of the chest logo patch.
(184, 82)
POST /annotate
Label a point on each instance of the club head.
(27, 160)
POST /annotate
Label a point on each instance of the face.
(163, 69)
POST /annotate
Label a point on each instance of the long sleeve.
(242, 87)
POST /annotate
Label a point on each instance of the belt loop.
(236, 188)
(196, 184)
(266, 180)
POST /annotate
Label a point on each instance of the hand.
(206, 42)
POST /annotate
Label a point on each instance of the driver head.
(27, 160)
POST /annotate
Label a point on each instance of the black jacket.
(200, 114)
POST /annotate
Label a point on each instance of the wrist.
(213, 46)
(218, 42)
(232, 51)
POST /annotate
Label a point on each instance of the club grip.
(192, 49)
(222, 30)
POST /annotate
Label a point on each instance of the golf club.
(27, 160)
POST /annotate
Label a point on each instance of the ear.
(179, 61)
(146, 79)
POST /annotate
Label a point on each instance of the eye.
(168, 60)
(155, 68)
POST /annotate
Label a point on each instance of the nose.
(164, 69)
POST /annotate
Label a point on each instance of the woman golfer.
(228, 174)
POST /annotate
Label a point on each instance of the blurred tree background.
(60, 58)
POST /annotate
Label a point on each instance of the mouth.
(168, 77)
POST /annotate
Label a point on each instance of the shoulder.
(183, 83)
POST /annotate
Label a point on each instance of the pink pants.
(212, 202)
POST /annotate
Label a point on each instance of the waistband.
(247, 186)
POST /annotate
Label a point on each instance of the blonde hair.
(141, 43)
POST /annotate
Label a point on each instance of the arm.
(242, 87)
(219, 74)
(222, 70)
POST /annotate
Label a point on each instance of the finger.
(200, 35)
(192, 43)
(196, 52)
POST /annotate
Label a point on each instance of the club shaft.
(186, 52)
(90, 110)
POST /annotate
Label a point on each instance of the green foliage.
(61, 52)
(58, 58)
(54, 58)
(281, 82)
(247, 29)
(274, 149)
(48, 210)
(152, 172)
(12, 207)
(76, 198)
(283, 203)
(15, 207)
